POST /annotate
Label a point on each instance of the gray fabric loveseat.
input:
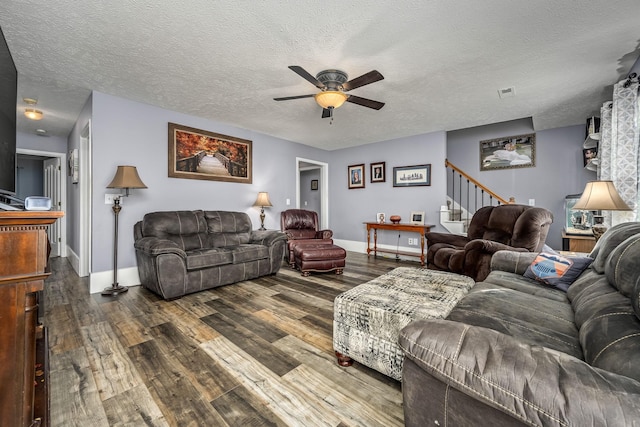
(181, 252)
(515, 351)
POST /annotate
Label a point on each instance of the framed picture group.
(403, 176)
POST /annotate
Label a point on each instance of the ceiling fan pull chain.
(331, 115)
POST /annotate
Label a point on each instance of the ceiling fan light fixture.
(33, 114)
(330, 98)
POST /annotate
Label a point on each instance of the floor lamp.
(600, 196)
(126, 177)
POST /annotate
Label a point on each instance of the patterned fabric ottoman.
(367, 319)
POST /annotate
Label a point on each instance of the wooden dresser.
(23, 264)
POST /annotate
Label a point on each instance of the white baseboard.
(104, 279)
(74, 259)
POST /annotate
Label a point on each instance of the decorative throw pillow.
(557, 270)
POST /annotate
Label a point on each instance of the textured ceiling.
(443, 61)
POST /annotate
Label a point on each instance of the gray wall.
(127, 132)
(30, 176)
(130, 133)
(350, 208)
(54, 144)
(310, 199)
(559, 169)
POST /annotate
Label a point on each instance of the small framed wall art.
(356, 176)
(314, 184)
(412, 176)
(417, 217)
(378, 172)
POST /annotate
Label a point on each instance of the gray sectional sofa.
(181, 252)
(517, 352)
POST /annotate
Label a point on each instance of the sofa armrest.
(490, 247)
(512, 261)
(267, 237)
(153, 246)
(532, 384)
(451, 239)
(324, 234)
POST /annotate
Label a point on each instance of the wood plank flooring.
(255, 353)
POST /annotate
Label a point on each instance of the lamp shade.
(330, 98)
(601, 195)
(126, 177)
(263, 199)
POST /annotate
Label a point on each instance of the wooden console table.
(24, 255)
(412, 228)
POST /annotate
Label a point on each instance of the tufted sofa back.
(519, 226)
(188, 229)
(299, 223)
(198, 229)
(606, 303)
(228, 228)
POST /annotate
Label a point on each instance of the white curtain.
(619, 150)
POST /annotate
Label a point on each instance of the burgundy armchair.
(506, 227)
(301, 227)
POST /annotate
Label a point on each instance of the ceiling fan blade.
(365, 79)
(286, 98)
(305, 75)
(326, 113)
(365, 102)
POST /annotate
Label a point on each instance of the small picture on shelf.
(380, 218)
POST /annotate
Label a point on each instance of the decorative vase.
(395, 219)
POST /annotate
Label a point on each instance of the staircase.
(465, 196)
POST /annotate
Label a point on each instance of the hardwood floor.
(253, 353)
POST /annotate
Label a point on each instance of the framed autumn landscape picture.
(199, 154)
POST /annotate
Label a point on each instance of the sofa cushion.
(556, 270)
(246, 253)
(203, 258)
(622, 269)
(609, 241)
(503, 279)
(228, 228)
(539, 321)
(187, 229)
(301, 234)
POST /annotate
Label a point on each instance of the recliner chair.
(301, 227)
(505, 227)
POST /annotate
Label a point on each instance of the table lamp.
(262, 201)
(600, 195)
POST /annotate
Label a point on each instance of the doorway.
(48, 168)
(308, 170)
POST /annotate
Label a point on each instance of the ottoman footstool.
(319, 257)
(368, 318)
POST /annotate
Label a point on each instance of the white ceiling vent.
(507, 92)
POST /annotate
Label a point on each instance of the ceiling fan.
(334, 84)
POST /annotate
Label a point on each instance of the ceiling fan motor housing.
(332, 79)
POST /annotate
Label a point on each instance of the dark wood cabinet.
(23, 261)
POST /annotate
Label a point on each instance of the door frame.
(324, 188)
(62, 190)
(85, 183)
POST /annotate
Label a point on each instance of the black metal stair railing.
(468, 194)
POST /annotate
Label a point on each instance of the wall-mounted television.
(8, 97)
